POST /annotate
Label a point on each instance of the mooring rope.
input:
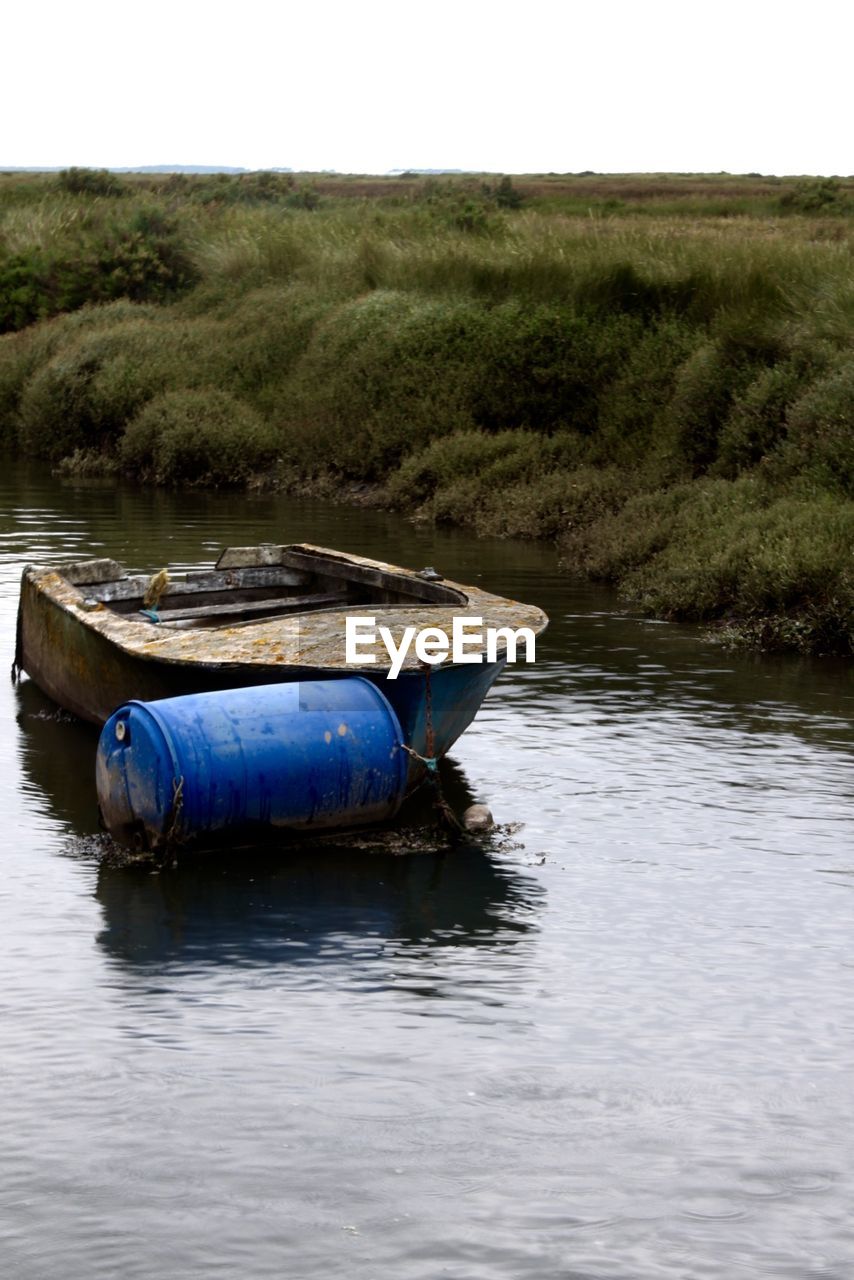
(170, 839)
(446, 815)
(429, 762)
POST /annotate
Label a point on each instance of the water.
(615, 1047)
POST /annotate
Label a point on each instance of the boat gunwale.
(319, 646)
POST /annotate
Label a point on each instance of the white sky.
(363, 86)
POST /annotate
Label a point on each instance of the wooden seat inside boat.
(249, 584)
(255, 608)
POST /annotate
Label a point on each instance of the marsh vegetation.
(654, 371)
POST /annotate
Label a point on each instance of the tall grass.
(664, 394)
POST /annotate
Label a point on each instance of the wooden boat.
(93, 636)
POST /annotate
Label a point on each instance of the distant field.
(654, 370)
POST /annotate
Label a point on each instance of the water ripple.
(617, 1048)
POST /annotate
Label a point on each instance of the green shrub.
(263, 187)
(386, 373)
(381, 376)
(88, 464)
(506, 196)
(464, 455)
(755, 422)
(730, 555)
(93, 382)
(819, 447)
(815, 195)
(23, 354)
(59, 409)
(263, 337)
(468, 215)
(142, 259)
(21, 291)
(776, 569)
(703, 393)
(545, 367)
(632, 408)
(304, 197)
(620, 540)
(458, 208)
(557, 501)
(513, 483)
(18, 359)
(201, 437)
(821, 628)
(502, 194)
(90, 182)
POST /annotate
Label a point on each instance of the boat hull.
(90, 675)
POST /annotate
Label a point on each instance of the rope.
(429, 762)
(447, 817)
(157, 584)
(169, 836)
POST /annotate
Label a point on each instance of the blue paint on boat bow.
(456, 693)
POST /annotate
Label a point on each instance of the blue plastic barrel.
(314, 754)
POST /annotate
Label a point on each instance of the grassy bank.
(655, 372)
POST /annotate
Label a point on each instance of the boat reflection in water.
(57, 754)
(281, 904)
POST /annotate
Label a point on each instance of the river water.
(614, 1044)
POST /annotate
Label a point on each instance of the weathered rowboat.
(93, 636)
